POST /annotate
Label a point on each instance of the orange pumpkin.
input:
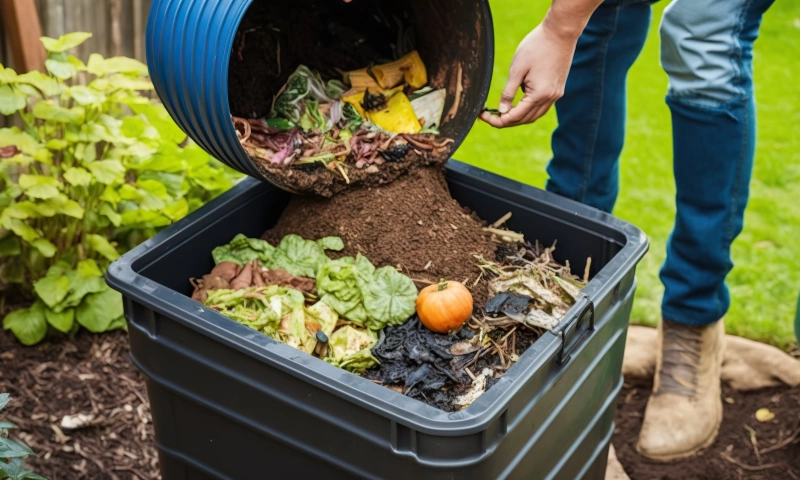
(445, 306)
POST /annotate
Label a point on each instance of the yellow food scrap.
(360, 79)
(408, 68)
(398, 116)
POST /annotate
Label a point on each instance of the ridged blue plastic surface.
(188, 54)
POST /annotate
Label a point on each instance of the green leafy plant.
(12, 454)
(96, 168)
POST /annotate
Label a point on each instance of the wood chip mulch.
(90, 375)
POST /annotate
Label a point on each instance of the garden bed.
(733, 454)
(88, 374)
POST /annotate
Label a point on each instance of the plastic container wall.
(189, 45)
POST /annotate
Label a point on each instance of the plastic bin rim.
(123, 276)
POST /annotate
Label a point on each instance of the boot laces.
(681, 359)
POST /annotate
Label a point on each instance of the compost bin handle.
(565, 353)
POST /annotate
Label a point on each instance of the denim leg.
(591, 114)
(707, 51)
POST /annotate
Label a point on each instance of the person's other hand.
(540, 67)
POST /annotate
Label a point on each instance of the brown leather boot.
(685, 409)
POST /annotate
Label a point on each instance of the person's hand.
(540, 67)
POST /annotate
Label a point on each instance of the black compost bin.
(231, 403)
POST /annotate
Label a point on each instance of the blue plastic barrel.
(189, 45)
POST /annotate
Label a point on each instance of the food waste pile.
(365, 128)
(375, 303)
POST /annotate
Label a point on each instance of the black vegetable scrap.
(510, 304)
(373, 101)
(420, 360)
(396, 153)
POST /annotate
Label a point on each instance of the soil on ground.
(90, 374)
(773, 454)
(412, 223)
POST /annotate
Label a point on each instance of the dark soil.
(732, 456)
(90, 374)
(326, 183)
(412, 223)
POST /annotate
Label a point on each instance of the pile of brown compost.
(413, 224)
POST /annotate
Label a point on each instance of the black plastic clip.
(565, 353)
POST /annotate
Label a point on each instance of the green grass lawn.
(766, 279)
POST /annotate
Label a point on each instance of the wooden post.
(21, 21)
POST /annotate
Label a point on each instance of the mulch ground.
(745, 448)
(93, 375)
(90, 375)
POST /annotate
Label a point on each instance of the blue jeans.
(707, 51)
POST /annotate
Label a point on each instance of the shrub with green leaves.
(12, 454)
(96, 168)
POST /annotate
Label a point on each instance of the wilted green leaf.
(101, 245)
(65, 42)
(11, 100)
(85, 95)
(52, 289)
(61, 321)
(108, 172)
(78, 176)
(98, 310)
(60, 69)
(29, 326)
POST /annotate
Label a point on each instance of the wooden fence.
(117, 25)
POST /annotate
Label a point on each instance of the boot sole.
(691, 453)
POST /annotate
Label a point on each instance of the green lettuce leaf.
(338, 286)
(243, 250)
(301, 257)
(389, 298)
(350, 348)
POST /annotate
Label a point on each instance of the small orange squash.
(445, 306)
